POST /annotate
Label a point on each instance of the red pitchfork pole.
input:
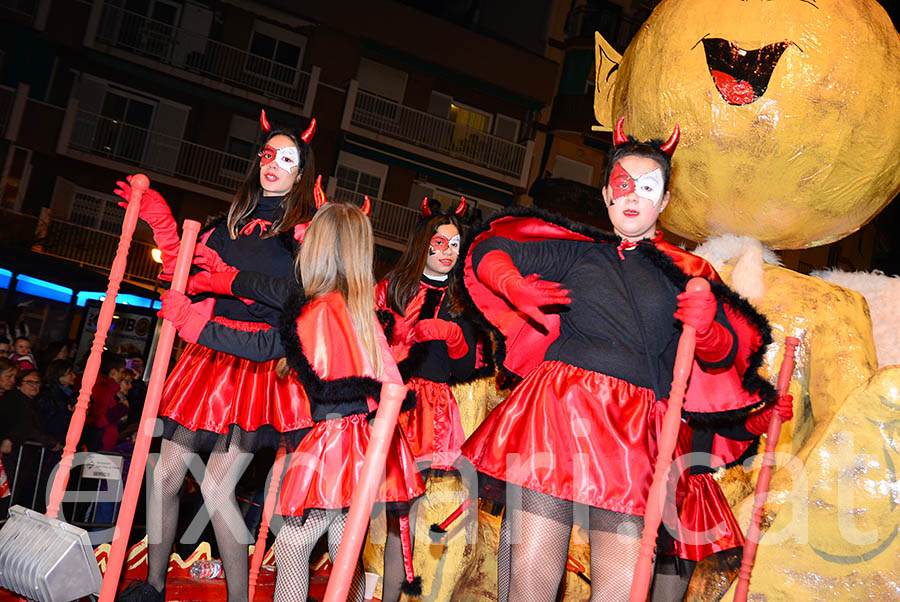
(268, 510)
(116, 558)
(364, 495)
(104, 321)
(684, 359)
(765, 474)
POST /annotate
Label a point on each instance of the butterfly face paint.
(648, 185)
(286, 158)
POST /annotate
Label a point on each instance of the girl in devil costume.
(596, 365)
(217, 401)
(435, 346)
(338, 353)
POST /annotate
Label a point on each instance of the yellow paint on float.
(789, 112)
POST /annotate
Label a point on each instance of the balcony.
(76, 243)
(391, 223)
(440, 139)
(96, 249)
(198, 58)
(124, 147)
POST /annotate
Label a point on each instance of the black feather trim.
(342, 396)
(412, 588)
(433, 299)
(388, 323)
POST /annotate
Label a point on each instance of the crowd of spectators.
(38, 393)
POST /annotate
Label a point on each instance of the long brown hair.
(403, 281)
(298, 205)
(337, 254)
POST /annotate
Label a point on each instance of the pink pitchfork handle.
(268, 511)
(139, 185)
(765, 474)
(364, 496)
(116, 557)
(684, 360)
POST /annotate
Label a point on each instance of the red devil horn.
(307, 136)
(318, 193)
(461, 208)
(263, 122)
(367, 206)
(619, 136)
(426, 210)
(672, 142)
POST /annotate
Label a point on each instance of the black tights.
(225, 467)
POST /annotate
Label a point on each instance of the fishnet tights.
(223, 470)
(534, 546)
(294, 545)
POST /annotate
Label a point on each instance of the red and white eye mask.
(648, 185)
(286, 158)
(440, 242)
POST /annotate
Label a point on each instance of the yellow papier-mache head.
(789, 112)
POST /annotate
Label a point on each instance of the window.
(576, 171)
(359, 175)
(506, 128)
(239, 146)
(381, 80)
(96, 210)
(470, 117)
(16, 174)
(275, 53)
(129, 119)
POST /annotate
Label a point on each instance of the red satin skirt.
(433, 428)
(212, 391)
(324, 469)
(573, 434)
(707, 524)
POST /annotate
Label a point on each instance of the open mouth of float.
(741, 76)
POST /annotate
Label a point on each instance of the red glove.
(156, 212)
(211, 282)
(435, 329)
(209, 260)
(176, 308)
(698, 309)
(528, 294)
(758, 422)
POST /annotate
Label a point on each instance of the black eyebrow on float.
(700, 40)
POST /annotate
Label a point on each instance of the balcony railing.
(126, 143)
(443, 136)
(96, 249)
(7, 99)
(390, 221)
(196, 53)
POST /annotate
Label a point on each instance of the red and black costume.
(583, 418)
(434, 427)
(211, 392)
(327, 361)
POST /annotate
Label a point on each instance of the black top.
(272, 256)
(620, 322)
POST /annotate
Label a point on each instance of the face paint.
(648, 185)
(454, 243)
(439, 243)
(286, 158)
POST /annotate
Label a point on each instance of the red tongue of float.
(736, 92)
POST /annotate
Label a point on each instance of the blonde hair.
(337, 254)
